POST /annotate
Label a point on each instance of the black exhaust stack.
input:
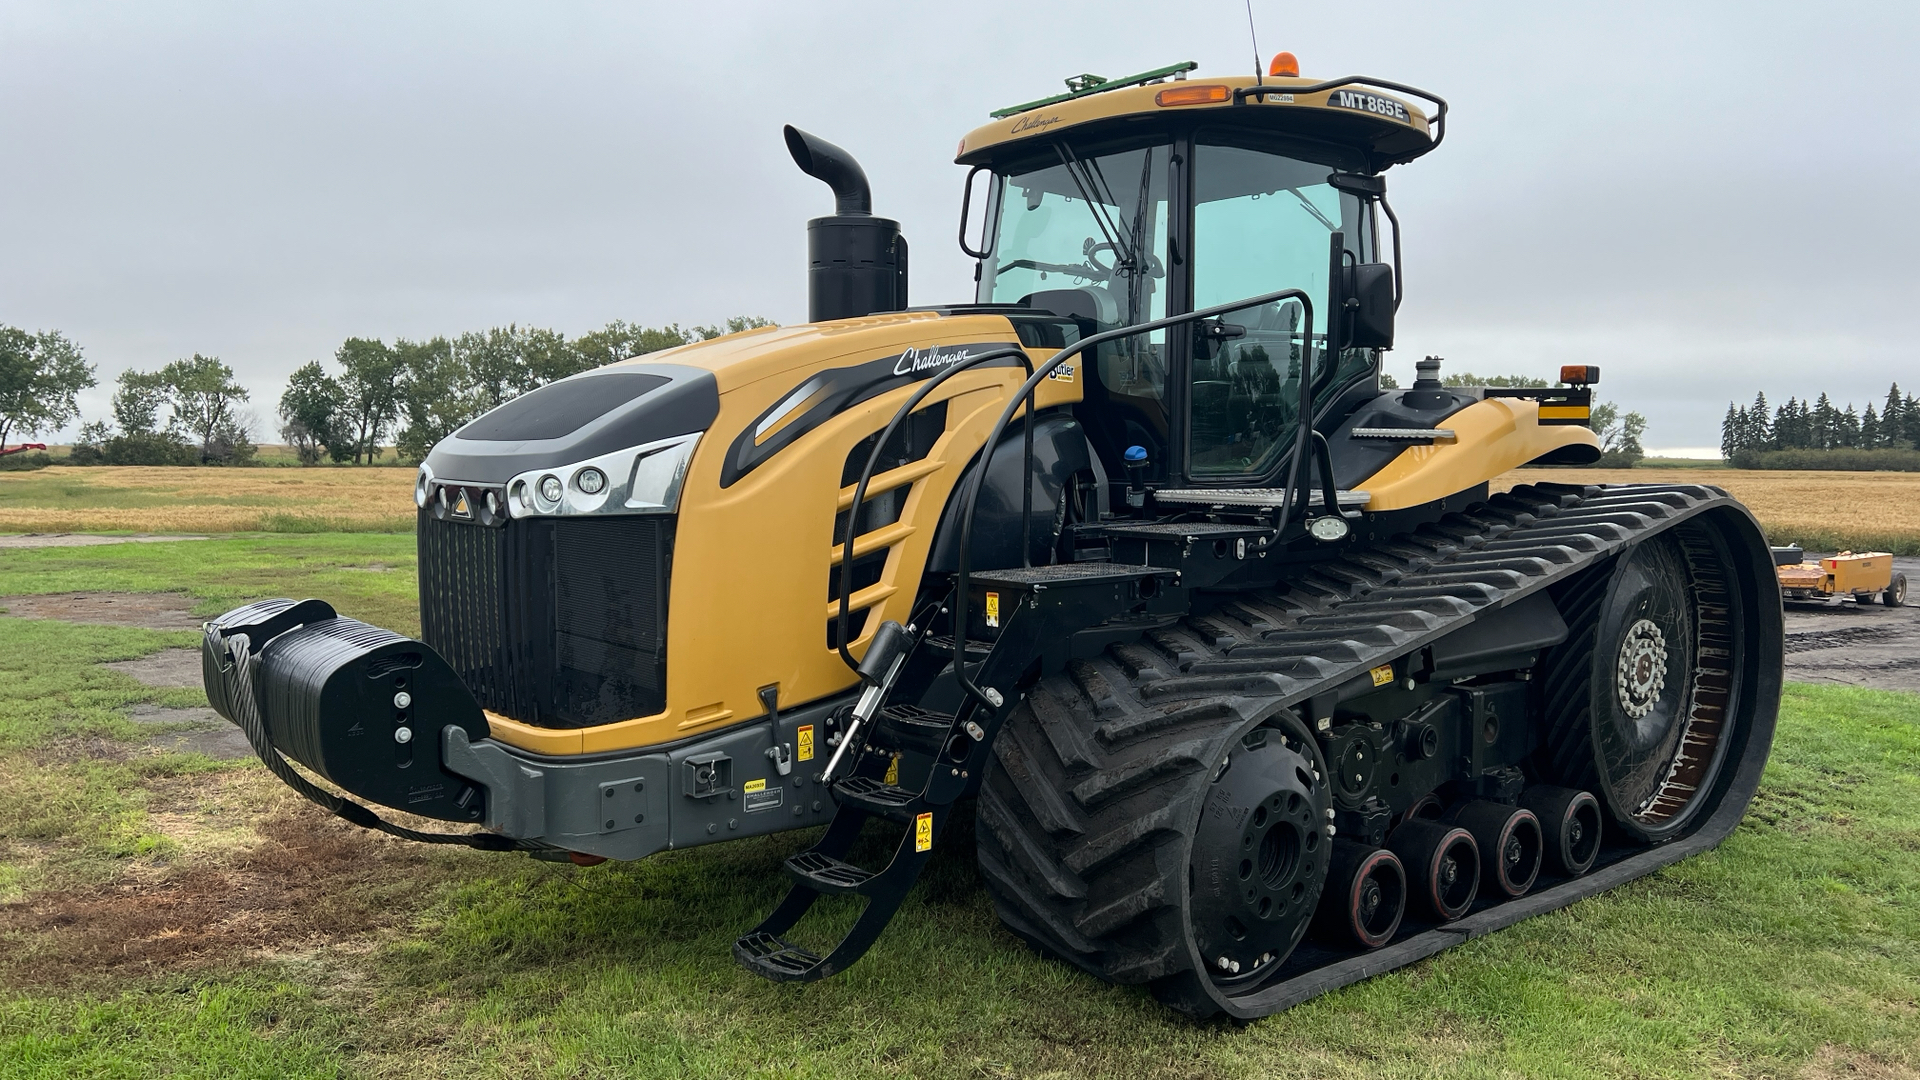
(856, 263)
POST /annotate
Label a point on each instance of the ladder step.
(880, 799)
(826, 874)
(909, 727)
(942, 644)
(774, 958)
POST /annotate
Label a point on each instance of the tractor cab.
(1130, 200)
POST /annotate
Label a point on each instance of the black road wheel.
(1571, 823)
(1443, 866)
(1510, 841)
(1365, 897)
(1636, 700)
(1895, 593)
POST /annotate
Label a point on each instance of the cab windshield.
(1086, 235)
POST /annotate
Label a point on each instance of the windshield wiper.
(1085, 180)
(1312, 209)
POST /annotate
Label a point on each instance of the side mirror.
(1368, 302)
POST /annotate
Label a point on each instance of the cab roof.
(1370, 115)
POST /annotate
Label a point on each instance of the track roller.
(1442, 863)
(1364, 899)
(1571, 822)
(1509, 838)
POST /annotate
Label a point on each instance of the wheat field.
(1820, 510)
(167, 499)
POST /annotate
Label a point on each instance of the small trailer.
(1862, 575)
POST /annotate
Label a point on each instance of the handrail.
(1438, 123)
(866, 475)
(1025, 393)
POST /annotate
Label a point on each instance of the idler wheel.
(1571, 821)
(1365, 897)
(1442, 863)
(1510, 844)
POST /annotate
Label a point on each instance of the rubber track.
(1083, 822)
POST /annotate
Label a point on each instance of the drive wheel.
(1636, 699)
(1183, 846)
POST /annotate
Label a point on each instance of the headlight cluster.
(641, 480)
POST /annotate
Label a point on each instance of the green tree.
(1619, 435)
(1468, 378)
(370, 387)
(205, 397)
(434, 397)
(138, 400)
(310, 412)
(40, 376)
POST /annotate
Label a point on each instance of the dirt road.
(1857, 644)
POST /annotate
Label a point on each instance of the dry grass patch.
(198, 499)
(1825, 511)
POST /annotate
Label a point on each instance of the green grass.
(369, 576)
(1795, 943)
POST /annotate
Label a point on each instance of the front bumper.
(387, 720)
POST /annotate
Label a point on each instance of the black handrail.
(1438, 124)
(1025, 393)
(866, 475)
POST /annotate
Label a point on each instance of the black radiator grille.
(559, 622)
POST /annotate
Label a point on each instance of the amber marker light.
(1580, 374)
(1191, 95)
(1284, 63)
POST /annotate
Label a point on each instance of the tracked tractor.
(1255, 686)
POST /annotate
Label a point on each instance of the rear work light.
(1191, 95)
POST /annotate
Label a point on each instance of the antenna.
(1255, 35)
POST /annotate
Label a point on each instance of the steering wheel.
(1093, 250)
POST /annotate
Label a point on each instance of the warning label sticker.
(993, 609)
(923, 832)
(893, 770)
(806, 743)
(758, 796)
(1382, 675)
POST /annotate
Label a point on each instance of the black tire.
(1110, 836)
(1635, 699)
(1896, 591)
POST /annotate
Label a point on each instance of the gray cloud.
(1706, 200)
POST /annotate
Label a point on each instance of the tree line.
(1749, 433)
(410, 394)
(415, 393)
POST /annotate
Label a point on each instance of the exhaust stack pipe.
(856, 263)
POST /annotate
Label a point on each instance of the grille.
(555, 622)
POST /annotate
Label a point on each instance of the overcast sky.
(1704, 199)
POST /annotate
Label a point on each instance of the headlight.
(641, 480)
(422, 487)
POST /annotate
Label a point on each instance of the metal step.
(1258, 498)
(774, 958)
(877, 798)
(1033, 578)
(826, 874)
(909, 727)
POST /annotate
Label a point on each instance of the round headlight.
(420, 489)
(519, 495)
(591, 480)
(550, 488)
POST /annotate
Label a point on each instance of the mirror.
(1368, 288)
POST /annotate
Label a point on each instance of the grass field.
(165, 914)
(1826, 511)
